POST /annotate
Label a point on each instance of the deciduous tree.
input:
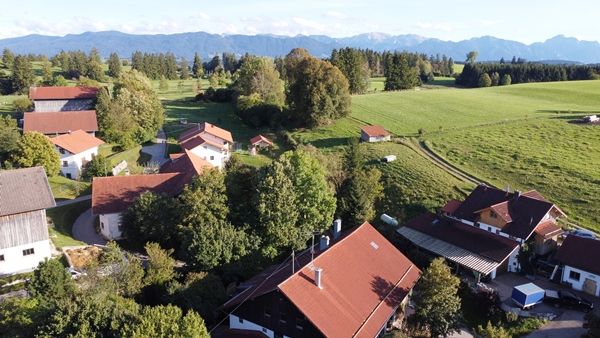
(151, 218)
(258, 75)
(51, 282)
(437, 304)
(35, 149)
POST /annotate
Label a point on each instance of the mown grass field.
(517, 135)
(552, 155)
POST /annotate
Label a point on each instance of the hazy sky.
(524, 20)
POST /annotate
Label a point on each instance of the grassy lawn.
(66, 189)
(6, 104)
(63, 219)
(557, 158)
(412, 183)
(510, 135)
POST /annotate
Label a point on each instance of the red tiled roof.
(196, 141)
(581, 253)
(373, 131)
(548, 229)
(115, 194)
(523, 212)
(468, 237)
(60, 122)
(62, 93)
(258, 139)
(451, 206)
(364, 279)
(77, 141)
(208, 128)
(186, 163)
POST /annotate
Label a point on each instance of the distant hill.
(185, 44)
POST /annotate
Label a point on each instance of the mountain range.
(558, 48)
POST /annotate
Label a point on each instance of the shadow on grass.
(332, 142)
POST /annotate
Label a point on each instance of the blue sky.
(524, 20)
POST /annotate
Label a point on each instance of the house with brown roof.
(24, 197)
(208, 142)
(75, 150)
(374, 134)
(354, 287)
(488, 214)
(54, 99)
(111, 196)
(579, 258)
(61, 122)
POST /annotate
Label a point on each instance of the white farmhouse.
(209, 143)
(24, 197)
(111, 196)
(581, 266)
(75, 149)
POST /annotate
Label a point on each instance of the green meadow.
(522, 136)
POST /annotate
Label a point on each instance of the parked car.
(583, 233)
(568, 299)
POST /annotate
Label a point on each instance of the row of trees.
(477, 74)
(402, 70)
(75, 64)
(116, 298)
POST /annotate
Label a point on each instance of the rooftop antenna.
(293, 262)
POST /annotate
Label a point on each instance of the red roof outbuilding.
(375, 131)
(77, 141)
(62, 93)
(60, 122)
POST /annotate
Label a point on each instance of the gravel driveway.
(83, 229)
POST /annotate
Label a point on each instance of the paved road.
(75, 200)
(83, 229)
(568, 324)
(158, 149)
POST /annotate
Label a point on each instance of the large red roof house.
(483, 233)
(354, 287)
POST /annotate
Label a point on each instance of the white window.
(28, 252)
(65, 164)
(61, 150)
(1, 258)
(212, 158)
(574, 275)
(240, 320)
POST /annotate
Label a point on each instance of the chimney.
(337, 228)
(318, 277)
(517, 194)
(324, 244)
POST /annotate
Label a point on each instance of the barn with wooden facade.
(54, 99)
(24, 197)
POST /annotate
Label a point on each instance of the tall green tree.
(360, 190)
(399, 74)
(318, 94)
(293, 201)
(134, 112)
(240, 183)
(472, 56)
(485, 80)
(168, 321)
(9, 137)
(22, 76)
(47, 74)
(353, 64)
(35, 149)
(114, 65)
(51, 282)
(161, 266)
(202, 292)
(8, 57)
(151, 218)
(257, 75)
(185, 69)
(197, 67)
(207, 238)
(437, 304)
